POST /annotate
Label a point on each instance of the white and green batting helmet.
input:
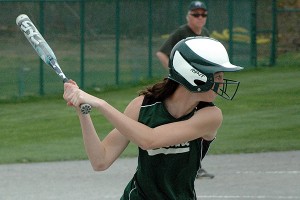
(194, 61)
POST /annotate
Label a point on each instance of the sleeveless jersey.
(166, 173)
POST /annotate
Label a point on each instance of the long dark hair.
(160, 90)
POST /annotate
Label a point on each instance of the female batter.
(172, 123)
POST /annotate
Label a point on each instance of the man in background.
(196, 20)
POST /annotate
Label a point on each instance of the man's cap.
(197, 5)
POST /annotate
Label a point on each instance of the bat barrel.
(43, 50)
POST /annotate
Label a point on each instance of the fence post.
(274, 33)
(180, 13)
(230, 27)
(41, 27)
(82, 41)
(150, 39)
(253, 47)
(117, 39)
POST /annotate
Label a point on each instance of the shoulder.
(211, 112)
(184, 27)
(136, 102)
(212, 117)
(185, 31)
(133, 108)
(181, 32)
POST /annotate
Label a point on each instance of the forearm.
(126, 124)
(101, 153)
(164, 59)
(93, 146)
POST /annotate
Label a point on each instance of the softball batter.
(173, 122)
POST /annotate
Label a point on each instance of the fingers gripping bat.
(43, 50)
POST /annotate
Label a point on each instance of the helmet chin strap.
(215, 88)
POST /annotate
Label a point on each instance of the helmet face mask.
(227, 89)
(195, 60)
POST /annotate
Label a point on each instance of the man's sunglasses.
(198, 15)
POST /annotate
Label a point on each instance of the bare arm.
(204, 123)
(164, 59)
(102, 153)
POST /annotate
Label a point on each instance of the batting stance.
(172, 122)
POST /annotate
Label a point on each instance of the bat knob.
(85, 108)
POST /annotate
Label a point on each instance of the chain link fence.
(103, 43)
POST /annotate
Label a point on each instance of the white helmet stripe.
(186, 70)
(212, 51)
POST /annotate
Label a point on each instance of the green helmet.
(194, 61)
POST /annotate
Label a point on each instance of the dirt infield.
(269, 176)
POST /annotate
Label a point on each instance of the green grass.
(264, 116)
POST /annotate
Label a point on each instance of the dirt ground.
(269, 176)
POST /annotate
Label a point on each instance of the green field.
(264, 116)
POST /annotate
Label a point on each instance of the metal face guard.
(227, 89)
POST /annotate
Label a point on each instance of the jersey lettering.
(178, 148)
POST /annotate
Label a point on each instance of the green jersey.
(166, 173)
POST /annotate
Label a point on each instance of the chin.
(212, 97)
(209, 98)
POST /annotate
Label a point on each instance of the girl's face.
(218, 77)
(211, 95)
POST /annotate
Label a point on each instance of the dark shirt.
(182, 32)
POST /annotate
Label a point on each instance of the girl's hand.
(68, 88)
(75, 97)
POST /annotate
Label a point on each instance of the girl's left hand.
(69, 91)
(75, 97)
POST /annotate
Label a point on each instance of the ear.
(187, 17)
